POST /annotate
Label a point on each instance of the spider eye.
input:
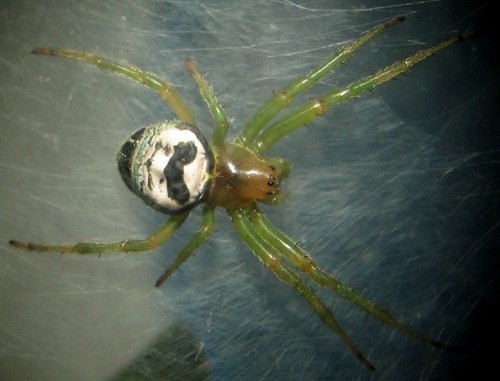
(168, 165)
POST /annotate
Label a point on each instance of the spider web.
(394, 193)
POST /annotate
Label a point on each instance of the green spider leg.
(304, 115)
(158, 238)
(155, 240)
(301, 259)
(270, 256)
(199, 239)
(284, 97)
(215, 108)
(167, 92)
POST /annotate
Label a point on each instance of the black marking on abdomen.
(184, 153)
(126, 155)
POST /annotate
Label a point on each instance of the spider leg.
(213, 104)
(159, 237)
(269, 255)
(284, 97)
(167, 92)
(198, 240)
(304, 263)
(318, 107)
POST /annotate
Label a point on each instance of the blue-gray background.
(394, 193)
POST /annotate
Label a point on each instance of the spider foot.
(22, 245)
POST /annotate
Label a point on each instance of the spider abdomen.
(242, 177)
(168, 165)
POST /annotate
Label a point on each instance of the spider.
(173, 168)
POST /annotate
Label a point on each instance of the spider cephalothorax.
(242, 177)
(173, 168)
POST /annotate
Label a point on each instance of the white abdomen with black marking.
(168, 165)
